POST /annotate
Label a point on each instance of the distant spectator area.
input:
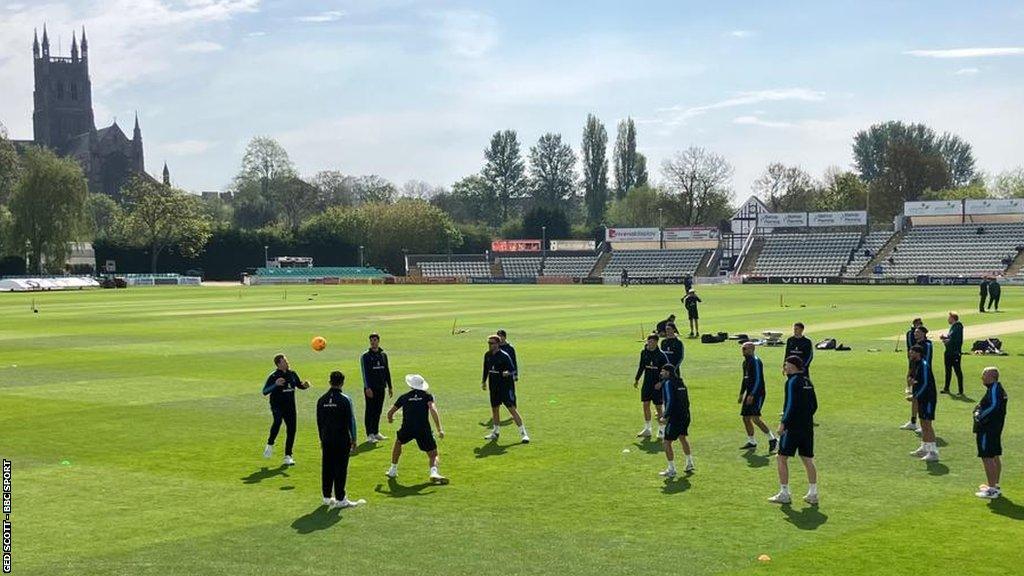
(479, 269)
(873, 242)
(312, 274)
(654, 263)
(534, 266)
(955, 250)
(807, 254)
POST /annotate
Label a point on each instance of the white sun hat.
(416, 382)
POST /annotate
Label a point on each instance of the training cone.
(764, 558)
(318, 343)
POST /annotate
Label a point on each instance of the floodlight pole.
(360, 255)
(661, 228)
(543, 242)
(266, 257)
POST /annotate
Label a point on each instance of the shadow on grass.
(650, 446)
(265, 473)
(676, 485)
(1006, 507)
(505, 422)
(809, 518)
(937, 469)
(286, 488)
(941, 442)
(368, 446)
(319, 519)
(492, 448)
(755, 460)
(964, 398)
(396, 490)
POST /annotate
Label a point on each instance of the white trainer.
(346, 503)
(689, 467)
(328, 502)
(668, 473)
(661, 433)
(524, 438)
(492, 436)
(289, 461)
(392, 473)
(931, 457)
(645, 433)
(918, 430)
(371, 439)
(381, 437)
(988, 493)
(781, 498)
(919, 452)
(268, 451)
(811, 498)
(909, 426)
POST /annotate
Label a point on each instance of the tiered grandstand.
(864, 253)
(480, 269)
(572, 266)
(307, 275)
(955, 250)
(527, 267)
(654, 263)
(813, 254)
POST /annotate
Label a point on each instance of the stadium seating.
(872, 242)
(955, 250)
(653, 263)
(526, 267)
(813, 254)
(321, 272)
(573, 266)
(478, 269)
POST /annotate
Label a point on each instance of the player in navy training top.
(911, 339)
(989, 417)
(418, 408)
(752, 396)
(499, 376)
(336, 425)
(672, 346)
(796, 431)
(921, 387)
(651, 361)
(280, 387)
(676, 419)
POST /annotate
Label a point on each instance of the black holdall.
(827, 344)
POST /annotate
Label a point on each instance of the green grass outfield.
(135, 424)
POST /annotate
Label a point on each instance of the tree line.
(45, 203)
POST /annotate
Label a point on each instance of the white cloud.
(741, 33)
(15, 7)
(187, 147)
(755, 121)
(466, 33)
(968, 52)
(256, 34)
(202, 47)
(678, 114)
(967, 72)
(327, 16)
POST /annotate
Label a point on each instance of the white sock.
(751, 440)
(784, 488)
(495, 428)
(647, 425)
(812, 489)
(771, 435)
(433, 470)
(522, 429)
(671, 464)
(689, 459)
(394, 468)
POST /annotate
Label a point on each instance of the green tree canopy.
(9, 167)
(543, 220)
(630, 166)
(701, 181)
(595, 169)
(505, 172)
(552, 171)
(158, 217)
(639, 208)
(48, 208)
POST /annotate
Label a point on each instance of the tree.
(841, 190)
(9, 166)
(471, 199)
(785, 188)
(295, 200)
(552, 170)
(543, 220)
(1009, 184)
(639, 208)
(505, 171)
(701, 179)
(420, 190)
(48, 209)
(629, 165)
(975, 191)
(909, 172)
(103, 213)
(334, 189)
(265, 161)
(266, 170)
(375, 189)
(158, 217)
(595, 169)
(959, 158)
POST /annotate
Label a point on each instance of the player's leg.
(275, 428)
(514, 411)
(396, 453)
(947, 361)
(341, 473)
(783, 496)
(646, 432)
(670, 456)
(812, 479)
(326, 474)
(495, 419)
(290, 423)
(684, 441)
(748, 426)
(959, 375)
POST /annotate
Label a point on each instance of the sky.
(414, 89)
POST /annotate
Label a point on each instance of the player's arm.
(351, 424)
(436, 418)
(483, 378)
(321, 421)
(639, 370)
(367, 391)
(391, 412)
(387, 374)
(299, 383)
(271, 383)
(988, 405)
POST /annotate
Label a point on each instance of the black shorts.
(990, 444)
(649, 394)
(752, 409)
(676, 427)
(926, 408)
(692, 315)
(424, 438)
(793, 442)
(503, 395)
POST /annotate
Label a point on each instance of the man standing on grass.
(281, 386)
(690, 303)
(922, 389)
(676, 419)
(911, 340)
(511, 351)
(498, 374)
(672, 346)
(796, 432)
(336, 423)
(752, 395)
(651, 361)
(989, 416)
(994, 292)
(983, 289)
(954, 342)
(801, 346)
(417, 406)
(376, 379)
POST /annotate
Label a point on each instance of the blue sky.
(413, 90)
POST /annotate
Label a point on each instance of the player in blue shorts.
(989, 416)
(676, 418)
(499, 376)
(752, 395)
(796, 432)
(651, 361)
(921, 387)
(418, 408)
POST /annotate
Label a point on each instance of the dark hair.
(337, 378)
(917, 348)
(671, 315)
(955, 315)
(672, 326)
(916, 321)
(922, 329)
(278, 358)
(374, 335)
(652, 337)
(800, 324)
(501, 333)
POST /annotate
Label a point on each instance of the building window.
(74, 91)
